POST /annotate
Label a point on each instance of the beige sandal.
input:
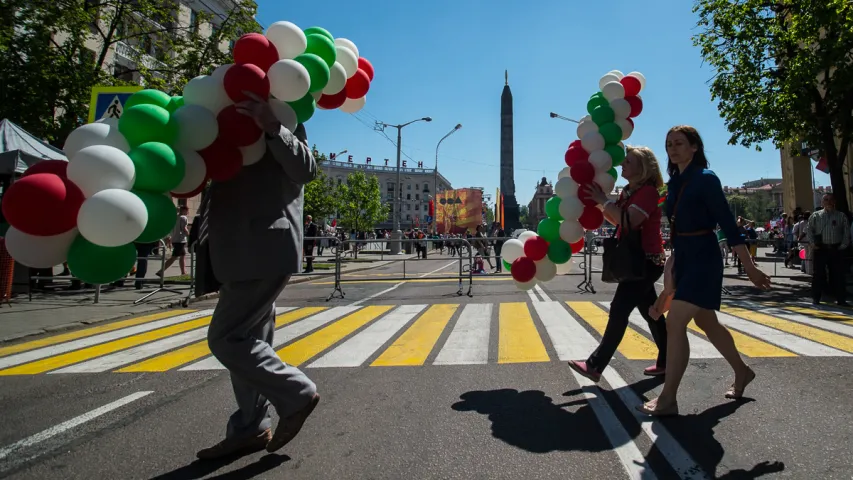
(736, 393)
(650, 408)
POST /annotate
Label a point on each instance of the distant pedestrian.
(178, 241)
(829, 235)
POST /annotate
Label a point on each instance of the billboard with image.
(459, 211)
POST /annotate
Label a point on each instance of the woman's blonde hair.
(651, 174)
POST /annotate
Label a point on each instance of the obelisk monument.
(511, 221)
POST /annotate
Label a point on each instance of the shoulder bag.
(624, 258)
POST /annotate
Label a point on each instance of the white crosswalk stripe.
(468, 343)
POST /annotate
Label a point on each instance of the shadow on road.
(200, 469)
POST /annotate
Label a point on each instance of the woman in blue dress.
(695, 205)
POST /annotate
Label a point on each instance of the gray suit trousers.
(240, 337)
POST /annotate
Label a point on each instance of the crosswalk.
(423, 335)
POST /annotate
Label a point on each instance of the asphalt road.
(515, 412)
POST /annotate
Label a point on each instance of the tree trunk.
(836, 178)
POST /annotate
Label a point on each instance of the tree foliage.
(360, 205)
(320, 200)
(53, 52)
(756, 206)
(784, 70)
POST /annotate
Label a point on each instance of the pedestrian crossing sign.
(108, 102)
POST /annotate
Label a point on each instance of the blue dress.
(698, 270)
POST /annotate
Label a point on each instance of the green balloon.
(148, 97)
(559, 251)
(162, 216)
(549, 229)
(159, 168)
(595, 102)
(611, 132)
(318, 71)
(322, 47)
(319, 30)
(147, 123)
(100, 265)
(603, 115)
(617, 153)
(175, 103)
(612, 172)
(507, 265)
(552, 208)
(304, 108)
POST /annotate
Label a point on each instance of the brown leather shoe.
(231, 446)
(290, 426)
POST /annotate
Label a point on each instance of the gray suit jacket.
(255, 219)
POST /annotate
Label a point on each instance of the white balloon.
(337, 79)
(593, 141)
(254, 152)
(566, 187)
(348, 44)
(39, 252)
(512, 249)
(207, 92)
(607, 78)
(613, 90)
(621, 108)
(605, 181)
(639, 77)
(546, 270)
(571, 231)
(601, 160)
(526, 285)
(195, 172)
(101, 167)
(571, 208)
(317, 95)
(111, 218)
(352, 106)
(627, 128)
(289, 39)
(564, 268)
(525, 236)
(348, 60)
(586, 126)
(197, 127)
(618, 74)
(220, 71)
(284, 113)
(102, 132)
(564, 173)
(289, 80)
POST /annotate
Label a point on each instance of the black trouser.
(630, 295)
(308, 254)
(828, 258)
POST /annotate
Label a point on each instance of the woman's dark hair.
(694, 140)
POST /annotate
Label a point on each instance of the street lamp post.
(398, 233)
(435, 180)
(554, 115)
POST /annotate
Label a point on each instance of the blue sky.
(446, 59)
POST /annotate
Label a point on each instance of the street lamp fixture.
(435, 179)
(555, 115)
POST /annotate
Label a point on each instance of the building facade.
(536, 207)
(417, 185)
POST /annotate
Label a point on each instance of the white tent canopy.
(19, 149)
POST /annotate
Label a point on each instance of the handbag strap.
(674, 209)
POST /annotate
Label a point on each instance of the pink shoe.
(585, 370)
(654, 371)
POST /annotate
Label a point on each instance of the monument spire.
(510, 205)
(506, 77)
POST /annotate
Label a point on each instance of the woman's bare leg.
(722, 340)
(677, 351)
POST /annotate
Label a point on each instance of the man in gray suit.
(254, 224)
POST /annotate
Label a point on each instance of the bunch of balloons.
(592, 158)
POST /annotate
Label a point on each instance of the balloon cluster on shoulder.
(590, 159)
(117, 186)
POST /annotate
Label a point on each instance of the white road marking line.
(52, 350)
(395, 287)
(68, 425)
(533, 297)
(829, 325)
(468, 343)
(359, 348)
(571, 341)
(541, 292)
(284, 334)
(787, 341)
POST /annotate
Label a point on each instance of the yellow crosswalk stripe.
(307, 348)
(634, 346)
(88, 332)
(822, 314)
(195, 351)
(518, 339)
(77, 356)
(831, 339)
(416, 343)
(749, 346)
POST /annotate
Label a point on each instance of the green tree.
(53, 52)
(360, 202)
(756, 206)
(524, 216)
(784, 73)
(320, 201)
(739, 205)
(490, 214)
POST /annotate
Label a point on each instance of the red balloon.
(237, 129)
(591, 218)
(631, 84)
(56, 167)
(523, 269)
(583, 172)
(365, 65)
(536, 248)
(246, 78)
(577, 246)
(42, 204)
(255, 49)
(358, 85)
(636, 105)
(223, 161)
(331, 102)
(576, 154)
(585, 198)
(195, 192)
